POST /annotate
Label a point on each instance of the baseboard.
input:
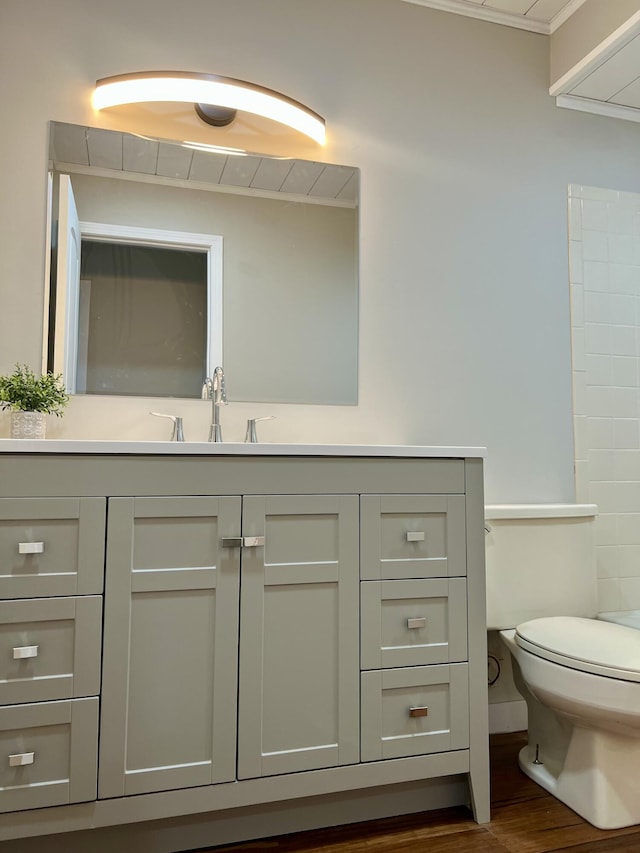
(507, 717)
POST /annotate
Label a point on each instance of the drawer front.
(48, 754)
(412, 536)
(413, 623)
(414, 711)
(51, 546)
(50, 648)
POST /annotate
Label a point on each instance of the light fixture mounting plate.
(216, 116)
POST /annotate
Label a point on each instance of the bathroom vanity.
(205, 643)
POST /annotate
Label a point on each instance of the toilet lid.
(602, 648)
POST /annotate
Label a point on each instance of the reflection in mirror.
(277, 305)
(141, 320)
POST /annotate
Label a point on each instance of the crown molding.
(495, 16)
(483, 13)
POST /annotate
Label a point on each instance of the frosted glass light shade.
(186, 87)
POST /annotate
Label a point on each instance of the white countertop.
(196, 448)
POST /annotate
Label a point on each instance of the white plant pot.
(28, 424)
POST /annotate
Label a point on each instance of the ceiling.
(606, 81)
(538, 16)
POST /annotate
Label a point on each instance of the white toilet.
(580, 676)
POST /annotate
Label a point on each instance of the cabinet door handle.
(30, 547)
(252, 541)
(242, 541)
(21, 759)
(415, 536)
(419, 711)
(20, 652)
(418, 622)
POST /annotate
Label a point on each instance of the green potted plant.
(30, 398)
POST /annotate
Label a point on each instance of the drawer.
(413, 623)
(48, 754)
(412, 536)
(51, 546)
(50, 648)
(414, 711)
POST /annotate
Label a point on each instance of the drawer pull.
(21, 759)
(419, 711)
(417, 622)
(21, 652)
(415, 536)
(242, 541)
(30, 547)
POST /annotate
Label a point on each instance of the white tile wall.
(604, 255)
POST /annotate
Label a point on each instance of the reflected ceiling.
(94, 148)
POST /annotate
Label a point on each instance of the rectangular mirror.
(168, 259)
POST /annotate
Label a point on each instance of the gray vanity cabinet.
(283, 642)
(170, 644)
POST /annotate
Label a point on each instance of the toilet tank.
(540, 561)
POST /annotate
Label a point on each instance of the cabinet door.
(299, 696)
(170, 645)
(412, 536)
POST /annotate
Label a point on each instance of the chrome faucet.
(214, 389)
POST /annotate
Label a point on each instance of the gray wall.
(464, 298)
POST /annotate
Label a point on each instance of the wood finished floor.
(524, 819)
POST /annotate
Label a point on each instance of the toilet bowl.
(579, 676)
(581, 680)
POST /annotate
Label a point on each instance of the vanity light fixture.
(216, 99)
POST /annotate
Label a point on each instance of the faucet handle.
(177, 433)
(251, 436)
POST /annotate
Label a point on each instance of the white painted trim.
(564, 14)
(46, 303)
(596, 57)
(482, 13)
(209, 243)
(601, 108)
(516, 511)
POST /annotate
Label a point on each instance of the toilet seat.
(588, 645)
